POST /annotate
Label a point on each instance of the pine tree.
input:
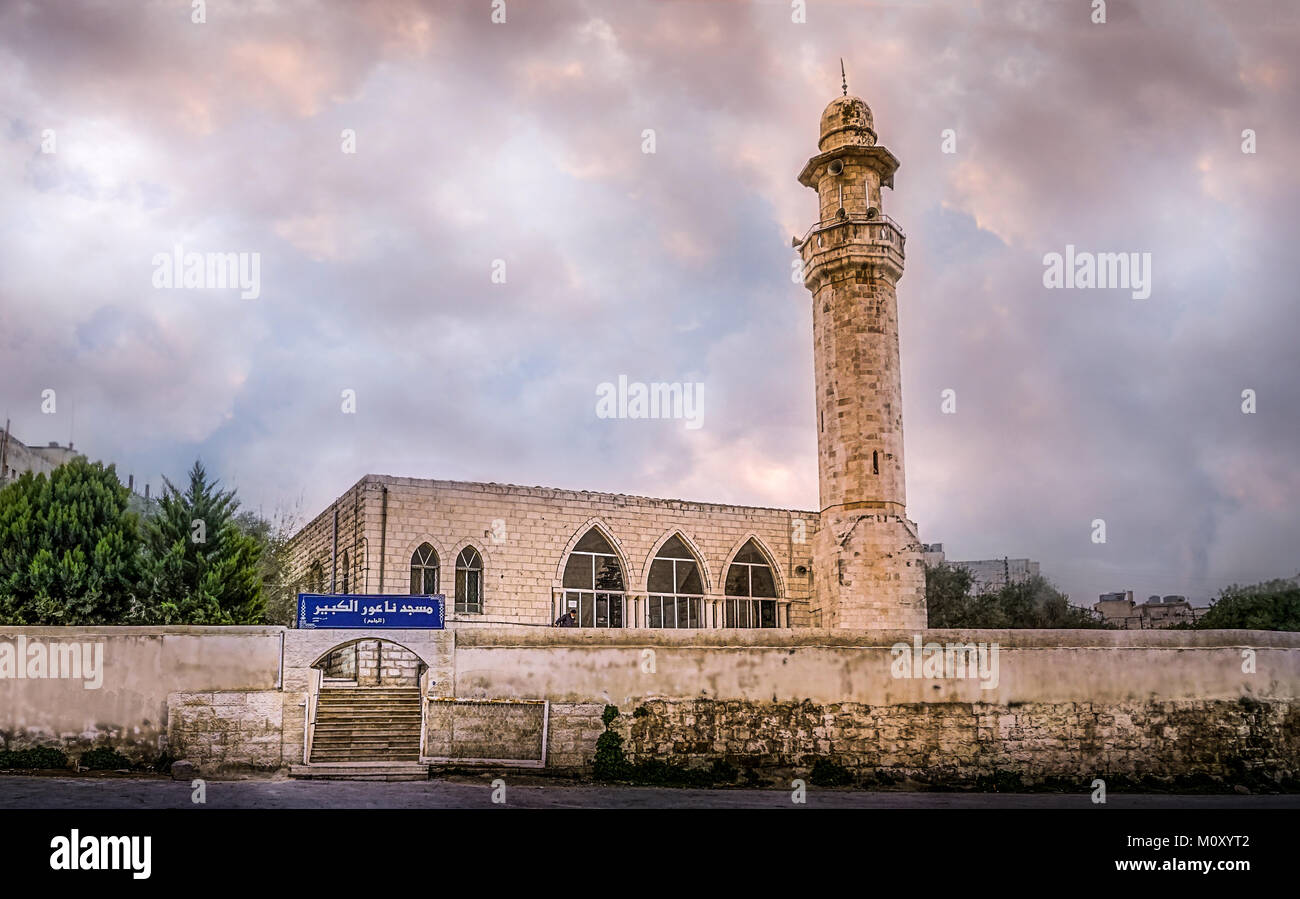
(201, 568)
(68, 548)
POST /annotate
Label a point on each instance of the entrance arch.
(370, 662)
(368, 704)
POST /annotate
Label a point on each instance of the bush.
(38, 757)
(103, 758)
(610, 762)
(826, 773)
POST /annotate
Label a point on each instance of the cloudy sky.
(523, 142)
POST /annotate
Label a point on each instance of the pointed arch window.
(424, 570)
(315, 577)
(751, 590)
(469, 581)
(675, 588)
(593, 583)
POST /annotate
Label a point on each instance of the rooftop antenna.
(844, 77)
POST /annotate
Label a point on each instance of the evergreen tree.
(200, 567)
(68, 548)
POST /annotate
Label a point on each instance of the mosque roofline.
(387, 480)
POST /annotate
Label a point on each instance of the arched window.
(593, 582)
(315, 577)
(751, 590)
(345, 573)
(424, 570)
(469, 581)
(676, 591)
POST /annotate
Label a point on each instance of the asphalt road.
(25, 792)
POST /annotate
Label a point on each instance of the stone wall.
(572, 733)
(386, 664)
(341, 664)
(128, 710)
(1063, 705)
(970, 743)
(523, 535)
(828, 666)
(225, 730)
(484, 729)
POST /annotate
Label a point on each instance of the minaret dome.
(847, 122)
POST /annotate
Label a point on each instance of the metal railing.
(857, 218)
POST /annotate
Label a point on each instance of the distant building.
(987, 575)
(1157, 612)
(17, 458)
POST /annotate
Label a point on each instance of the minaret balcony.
(853, 240)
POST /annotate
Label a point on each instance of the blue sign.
(362, 610)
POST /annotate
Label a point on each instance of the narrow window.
(469, 581)
(875, 462)
(424, 571)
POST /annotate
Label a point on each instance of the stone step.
(372, 714)
(321, 739)
(361, 770)
(352, 724)
(365, 739)
(364, 756)
(369, 704)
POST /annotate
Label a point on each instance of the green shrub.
(104, 758)
(38, 757)
(610, 763)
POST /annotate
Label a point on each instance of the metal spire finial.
(844, 77)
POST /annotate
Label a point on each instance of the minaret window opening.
(875, 462)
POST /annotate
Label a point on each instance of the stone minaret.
(867, 570)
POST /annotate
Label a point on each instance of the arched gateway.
(368, 705)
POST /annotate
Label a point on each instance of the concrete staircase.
(367, 724)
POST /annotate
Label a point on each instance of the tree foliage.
(200, 566)
(68, 548)
(1267, 606)
(1031, 603)
(274, 567)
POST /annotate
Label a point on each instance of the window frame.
(424, 567)
(693, 602)
(462, 605)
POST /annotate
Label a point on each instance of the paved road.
(524, 792)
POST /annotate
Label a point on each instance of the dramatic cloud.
(523, 142)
